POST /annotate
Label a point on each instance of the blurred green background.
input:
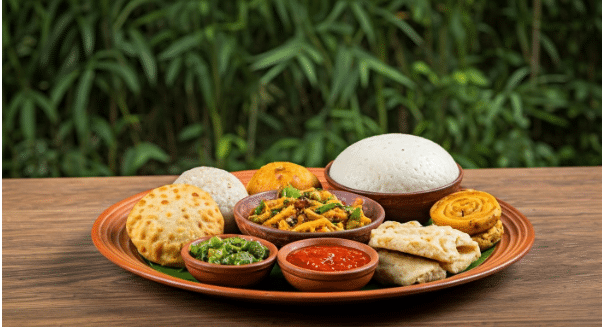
(101, 88)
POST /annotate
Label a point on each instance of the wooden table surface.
(52, 274)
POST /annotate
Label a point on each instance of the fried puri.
(170, 216)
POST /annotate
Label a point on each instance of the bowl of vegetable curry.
(287, 215)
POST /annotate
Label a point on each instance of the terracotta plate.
(111, 239)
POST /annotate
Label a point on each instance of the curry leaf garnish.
(259, 208)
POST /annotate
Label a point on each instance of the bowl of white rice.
(406, 174)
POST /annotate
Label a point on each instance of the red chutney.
(328, 258)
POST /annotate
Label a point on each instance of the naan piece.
(455, 250)
(395, 268)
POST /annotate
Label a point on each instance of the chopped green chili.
(230, 251)
(328, 206)
(290, 192)
(259, 208)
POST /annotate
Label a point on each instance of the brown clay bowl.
(226, 275)
(327, 281)
(403, 207)
(279, 237)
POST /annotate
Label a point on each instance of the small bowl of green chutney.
(229, 259)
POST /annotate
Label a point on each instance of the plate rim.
(135, 265)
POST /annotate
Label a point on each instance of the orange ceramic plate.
(111, 239)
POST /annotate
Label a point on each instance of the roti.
(396, 268)
(455, 250)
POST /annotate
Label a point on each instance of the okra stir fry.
(230, 251)
(310, 210)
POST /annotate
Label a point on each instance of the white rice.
(394, 163)
(225, 188)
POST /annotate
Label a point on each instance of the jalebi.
(469, 211)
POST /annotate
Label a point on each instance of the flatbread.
(170, 216)
(395, 268)
(455, 250)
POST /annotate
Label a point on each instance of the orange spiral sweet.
(469, 211)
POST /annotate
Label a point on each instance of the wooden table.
(52, 274)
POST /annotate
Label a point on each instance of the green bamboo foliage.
(100, 88)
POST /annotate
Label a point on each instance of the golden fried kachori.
(170, 216)
(276, 175)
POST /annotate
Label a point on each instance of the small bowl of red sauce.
(327, 264)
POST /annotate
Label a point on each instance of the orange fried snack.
(276, 175)
(469, 211)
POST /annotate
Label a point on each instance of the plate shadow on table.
(395, 309)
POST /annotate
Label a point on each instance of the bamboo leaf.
(28, 119)
(283, 13)
(80, 107)
(477, 77)
(62, 84)
(272, 73)
(516, 77)
(58, 30)
(277, 55)
(517, 109)
(336, 11)
(550, 48)
(349, 91)
(315, 149)
(86, 29)
(403, 26)
(145, 54)
(127, 10)
(384, 69)
(126, 73)
(496, 106)
(201, 72)
(308, 68)
(104, 131)
(227, 47)
(342, 67)
(181, 46)
(137, 156)
(364, 21)
(224, 146)
(173, 70)
(364, 74)
(191, 132)
(46, 105)
(11, 112)
(315, 55)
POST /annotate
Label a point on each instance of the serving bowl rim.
(342, 187)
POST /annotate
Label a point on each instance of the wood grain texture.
(53, 275)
